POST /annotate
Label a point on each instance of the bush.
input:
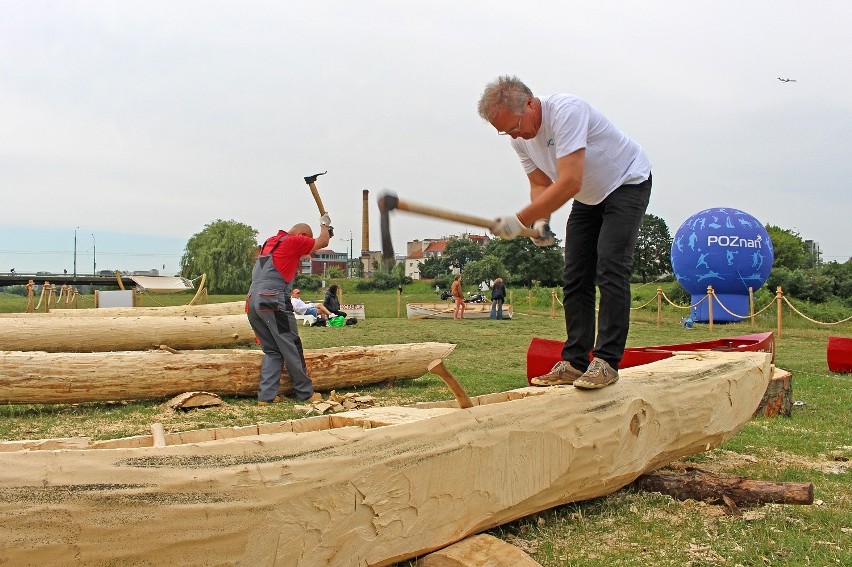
(308, 282)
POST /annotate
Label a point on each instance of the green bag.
(337, 321)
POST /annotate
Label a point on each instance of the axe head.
(387, 202)
(313, 178)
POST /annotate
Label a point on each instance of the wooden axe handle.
(454, 216)
(316, 195)
(437, 367)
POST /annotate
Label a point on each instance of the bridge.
(39, 278)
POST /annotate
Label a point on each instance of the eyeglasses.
(514, 130)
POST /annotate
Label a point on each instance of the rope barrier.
(787, 301)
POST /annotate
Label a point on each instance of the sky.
(127, 127)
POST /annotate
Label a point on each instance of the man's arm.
(322, 240)
(547, 196)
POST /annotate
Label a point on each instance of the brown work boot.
(274, 400)
(562, 374)
(599, 375)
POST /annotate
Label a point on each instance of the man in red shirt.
(270, 311)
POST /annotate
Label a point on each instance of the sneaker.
(599, 375)
(274, 400)
(562, 374)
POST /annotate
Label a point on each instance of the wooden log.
(100, 334)
(55, 378)
(409, 482)
(778, 398)
(714, 488)
(208, 310)
(478, 551)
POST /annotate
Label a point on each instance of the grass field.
(625, 528)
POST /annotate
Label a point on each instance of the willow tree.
(225, 251)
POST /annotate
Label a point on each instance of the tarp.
(162, 284)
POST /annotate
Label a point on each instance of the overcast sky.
(141, 122)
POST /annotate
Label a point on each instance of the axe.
(389, 202)
(311, 180)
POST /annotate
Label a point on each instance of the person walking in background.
(270, 311)
(498, 296)
(458, 297)
(569, 150)
(332, 303)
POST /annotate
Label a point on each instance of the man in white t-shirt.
(569, 150)
(302, 308)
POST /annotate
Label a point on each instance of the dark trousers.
(599, 244)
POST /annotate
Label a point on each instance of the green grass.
(625, 528)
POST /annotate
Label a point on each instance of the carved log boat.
(839, 354)
(53, 378)
(444, 310)
(542, 354)
(365, 487)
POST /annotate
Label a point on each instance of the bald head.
(302, 228)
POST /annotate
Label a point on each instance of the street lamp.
(94, 256)
(75, 252)
(349, 270)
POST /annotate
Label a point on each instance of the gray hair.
(506, 91)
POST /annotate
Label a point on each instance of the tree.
(485, 270)
(653, 254)
(225, 251)
(334, 272)
(526, 262)
(433, 266)
(460, 251)
(788, 248)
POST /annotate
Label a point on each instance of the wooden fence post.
(710, 296)
(659, 305)
(553, 304)
(778, 295)
(751, 304)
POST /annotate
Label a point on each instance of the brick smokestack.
(365, 225)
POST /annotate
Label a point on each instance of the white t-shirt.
(569, 123)
(299, 306)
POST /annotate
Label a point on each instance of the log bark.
(101, 334)
(478, 551)
(714, 488)
(54, 378)
(385, 485)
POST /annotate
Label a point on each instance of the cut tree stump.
(715, 488)
(478, 551)
(778, 398)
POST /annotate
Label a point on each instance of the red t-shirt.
(287, 255)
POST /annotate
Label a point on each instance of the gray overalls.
(270, 314)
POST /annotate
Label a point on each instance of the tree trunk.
(53, 378)
(100, 334)
(708, 487)
(208, 310)
(387, 484)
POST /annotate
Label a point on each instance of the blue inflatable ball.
(725, 248)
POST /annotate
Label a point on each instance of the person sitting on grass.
(310, 308)
(332, 303)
